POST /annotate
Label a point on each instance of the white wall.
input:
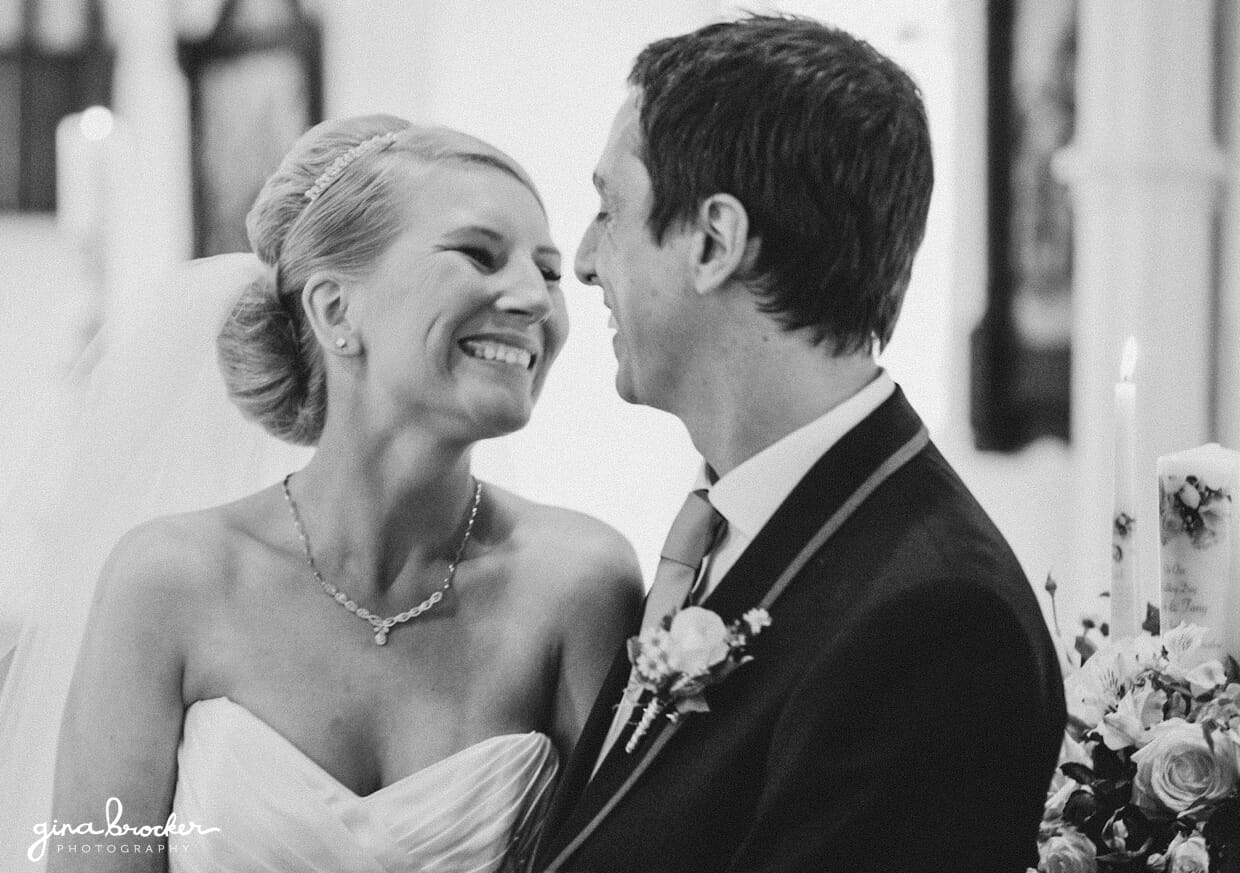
(1227, 332)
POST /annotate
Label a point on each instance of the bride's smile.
(463, 316)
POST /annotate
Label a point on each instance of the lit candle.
(1199, 542)
(82, 159)
(1127, 602)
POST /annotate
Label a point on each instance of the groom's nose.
(583, 264)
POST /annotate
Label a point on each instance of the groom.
(763, 192)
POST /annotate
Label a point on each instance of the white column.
(1228, 334)
(150, 220)
(1144, 171)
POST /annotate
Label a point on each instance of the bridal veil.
(154, 434)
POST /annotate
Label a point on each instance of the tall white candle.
(1127, 600)
(82, 159)
(1199, 542)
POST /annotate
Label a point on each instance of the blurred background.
(1088, 189)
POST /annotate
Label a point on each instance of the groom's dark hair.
(823, 140)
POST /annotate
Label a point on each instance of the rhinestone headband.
(375, 144)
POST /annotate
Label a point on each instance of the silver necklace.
(381, 626)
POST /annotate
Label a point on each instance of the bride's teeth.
(498, 352)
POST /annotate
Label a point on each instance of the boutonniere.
(680, 657)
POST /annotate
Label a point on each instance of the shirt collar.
(748, 495)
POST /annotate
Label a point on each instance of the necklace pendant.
(381, 626)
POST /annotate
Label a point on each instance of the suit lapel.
(821, 492)
(891, 432)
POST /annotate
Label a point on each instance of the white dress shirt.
(748, 495)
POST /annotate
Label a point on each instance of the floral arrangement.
(1149, 775)
(678, 658)
(1191, 506)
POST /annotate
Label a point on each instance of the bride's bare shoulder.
(187, 553)
(573, 551)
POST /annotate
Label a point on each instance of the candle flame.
(96, 123)
(1128, 361)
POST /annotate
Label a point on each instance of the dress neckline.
(231, 705)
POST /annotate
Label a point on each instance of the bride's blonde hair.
(269, 355)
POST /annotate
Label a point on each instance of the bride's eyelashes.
(483, 258)
(489, 263)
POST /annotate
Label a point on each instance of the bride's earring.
(345, 341)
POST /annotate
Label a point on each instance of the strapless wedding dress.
(277, 810)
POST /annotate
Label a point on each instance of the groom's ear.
(722, 248)
(325, 300)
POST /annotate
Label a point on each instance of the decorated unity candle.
(1200, 543)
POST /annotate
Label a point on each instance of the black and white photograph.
(620, 436)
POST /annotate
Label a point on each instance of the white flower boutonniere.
(688, 651)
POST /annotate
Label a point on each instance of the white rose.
(1177, 771)
(1068, 852)
(1188, 855)
(698, 640)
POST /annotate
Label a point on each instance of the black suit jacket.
(901, 715)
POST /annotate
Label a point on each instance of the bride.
(374, 663)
